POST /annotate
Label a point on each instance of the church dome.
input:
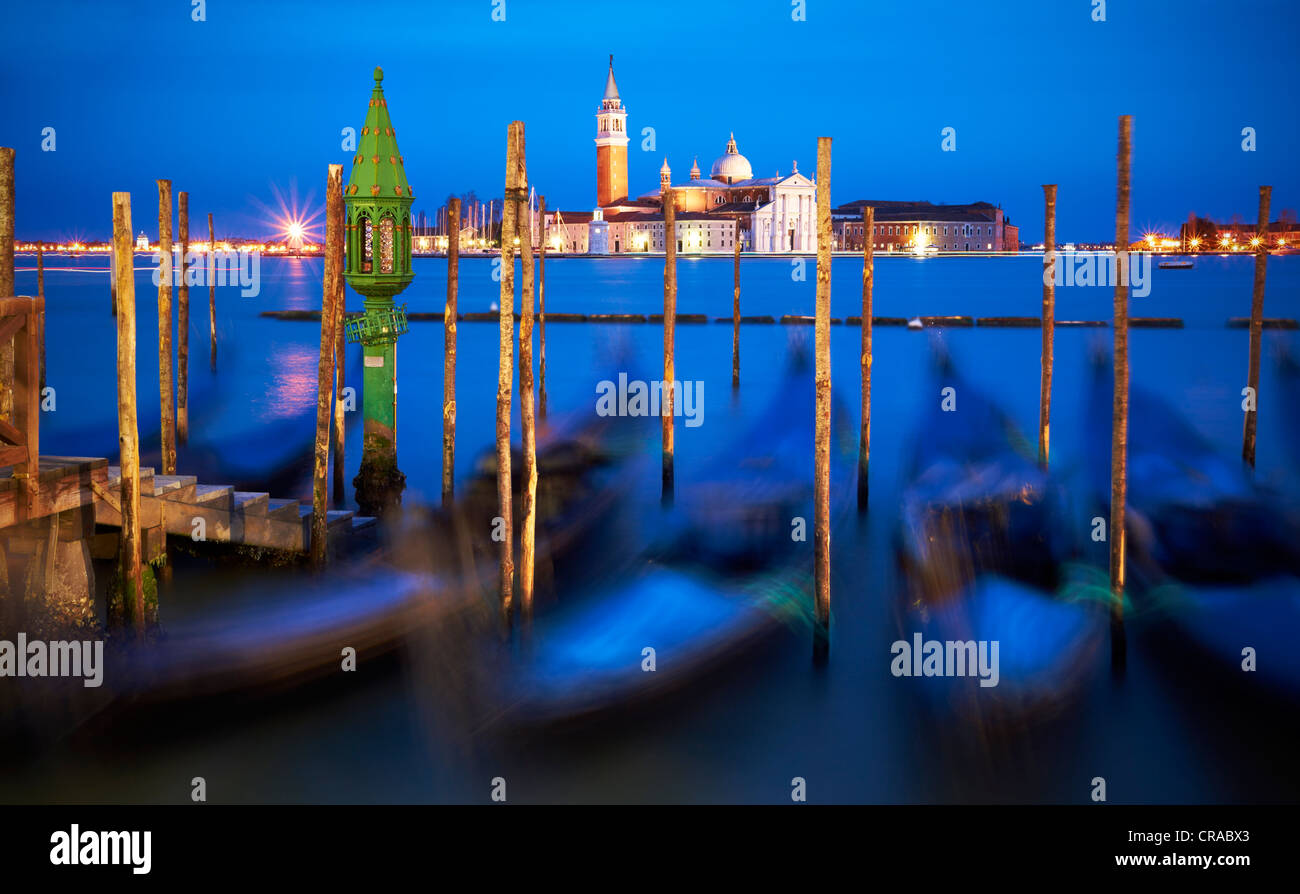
(731, 166)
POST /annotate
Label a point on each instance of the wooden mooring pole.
(449, 358)
(735, 307)
(128, 431)
(670, 332)
(340, 346)
(212, 294)
(166, 391)
(7, 211)
(541, 301)
(1256, 326)
(505, 373)
(1119, 417)
(325, 366)
(868, 284)
(528, 420)
(1049, 324)
(822, 446)
(40, 293)
(183, 328)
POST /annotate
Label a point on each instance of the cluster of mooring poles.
(1120, 358)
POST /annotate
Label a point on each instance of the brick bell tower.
(611, 144)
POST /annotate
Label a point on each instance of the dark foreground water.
(853, 731)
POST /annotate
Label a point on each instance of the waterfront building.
(918, 226)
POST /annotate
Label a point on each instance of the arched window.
(367, 244)
(386, 245)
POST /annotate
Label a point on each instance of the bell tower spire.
(611, 144)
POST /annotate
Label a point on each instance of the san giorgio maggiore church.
(776, 214)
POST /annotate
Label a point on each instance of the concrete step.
(362, 522)
(250, 503)
(214, 496)
(175, 487)
(283, 510)
(333, 517)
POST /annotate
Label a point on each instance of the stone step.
(283, 510)
(214, 496)
(250, 503)
(333, 517)
(175, 487)
(362, 522)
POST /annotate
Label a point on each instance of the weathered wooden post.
(340, 380)
(868, 284)
(735, 308)
(339, 301)
(183, 328)
(40, 293)
(166, 392)
(528, 421)
(325, 366)
(449, 358)
(1119, 420)
(1049, 323)
(670, 331)
(1256, 325)
(112, 278)
(128, 432)
(8, 607)
(822, 447)
(212, 295)
(505, 372)
(541, 300)
(7, 212)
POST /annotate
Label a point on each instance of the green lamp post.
(378, 233)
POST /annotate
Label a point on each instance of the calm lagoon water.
(853, 731)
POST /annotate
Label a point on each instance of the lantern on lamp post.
(378, 232)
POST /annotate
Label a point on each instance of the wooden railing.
(21, 322)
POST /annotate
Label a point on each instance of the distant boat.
(915, 323)
(1176, 265)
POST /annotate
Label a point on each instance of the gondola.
(1213, 559)
(698, 598)
(984, 551)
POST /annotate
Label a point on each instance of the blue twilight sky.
(244, 110)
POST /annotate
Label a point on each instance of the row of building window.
(902, 230)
